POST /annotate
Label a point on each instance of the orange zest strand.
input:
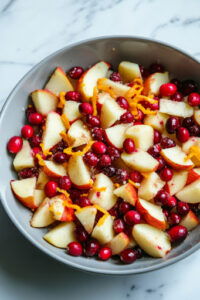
(84, 195)
(45, 151)
(78, 153)
(116, 185)
(103, 87)
(94, 101)
(102, 220)
(99, 189)
(193, 151)
(62, 100)
(40, 160)
(63, 192)
(65, 137)
(101, 209)
(135, 184)
(65, 121)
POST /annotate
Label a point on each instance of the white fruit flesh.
(190, 221)
(116, 135)
(78, 134)
(175, 108)
(193, 141)
(44, 101)
(86, 217)
(177, 182)
(24, 158)
(102, 97)
(103, 232)
(39, 196)
(24, 188)
(176, 158)
(118, 243)
(42, 217)
(127, 192)
(78, 172)
(156, 121)
(42, 180)
(71, 110)
(118, 89)
(129, 71)
(153, 83)
(150, 186)
(53, 169)
(142, 136)
(190, 193)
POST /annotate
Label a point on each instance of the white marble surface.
(30, 30)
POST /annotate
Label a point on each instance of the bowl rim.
(8, 210)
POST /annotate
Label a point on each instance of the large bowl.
(113, 50)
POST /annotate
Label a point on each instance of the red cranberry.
(194, 207)
(64, 182)
(167, 143)
(83, 201)
(182, 208)
(140, 116)
(162, 197)
(109, 171)
(86, 108)
(166, 174)
(92, 248)
(91, 159)
(168, 89)
(127, 117)
(157, 137)
(115, 76)
(60, 157)
(144, 72)
(129, 146)
(174, 219)
(182, 134)
(194, 99)
(187, 122)
(105, 253)
(154, 106)
(74, 249)
(27, 131)
(98, 134)
(28, 172)
(194, 130)
(188, 87)
(177, 82)
(59, 147)
(15, 144)
(35, 118)
(35, 141)
(123, 102)
(113, 152)
(104, 160)
(132, 217)
(177, 233)
(72, 95)
(128, 256)
(139, 252)
(81, 234)
(172, 124)
(118, 225)
(36, 150)
(124, 207)
(30, 110)
(76, 72)
(93, 121)
(166, 213)
(135, 176)
(170, 202)
(162, 163)
(156, 68)
(113, 212)
(121, 175)
(50, 189)
(177, 97)
(99, 147)
(154, 150)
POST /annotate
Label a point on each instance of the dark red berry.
(83, 201)
(115, 76)
(36, 150)
(74, 249)
(162, 197)
(64, 182)
(177, 233)
(60, 157)
(172, 124)
(177, 97)
(113, 152)
(155, 150)
(105, 160)
(109, 171)
(129, 146)
(93, 121)
(124, 207)
(144, 72)
(127, 117)
(194, 99)
(140, 116)
(135, 176)
(91, 159)
(170, 202)
(162, 163)
(91, 248)
(98, 134)
(182, 208)
(166, 213)
(99, 147)
(166, 174)
(188, 122)
(182, 134)
(81, 234)
(86, 108)
(168, 89)
(188, 87)
(35, 141)
(156, 68)
(27, 131)
(194, 130)
(74, 96)
(51, 189)
(76, 72)
(128, 256)
(29, 111)
(132, 217)
(113, 212)
(121, 175)
(15, 144)
(157, 137)
(105, 253)
(28, 172)
(35, 118)
(174, 219)
(167, 143)
(123, 102)
(118, 225)
(177, 82)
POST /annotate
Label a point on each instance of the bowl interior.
(85, 54)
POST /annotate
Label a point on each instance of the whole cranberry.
(81, 234)
(177, 82)
(28, 172)
(182, 208)
(74, 249)
(156, 68)
(109, 171)
(15, 144)
(115, 76)
(174, 219)
(113, 152)
(177, 97)
(122, 102)
(93, 121)
(98, 134)
(121, 175)
(127, 117)
(170, 202)
(91, 248)
(91, 159)
(30, 110)
(113, 212)
(129, 146)
(50, 188)
(140, 116)
(166, 174)
(168, 89)
(177, 233)
(35, 118)
(72, 95)
(105, 253)
(188, 122)
(60, 157)
(83, 201)
(166, 213)
(64, 182)
(118, 225)
(124, 207)
(162, 197)
(194, 99)
(128, 256)
(35, 141)
(132, 217)
(172, 124)
(76, 72)
(135, 176)
(154, 106)
(27, 131)
(162, 163)
(155, 150)
(86, 108)
(157, 137)
(167, 143)
(194, 130)
(99, 147)
(140, 252)
(36, 150)
(144, 72)
(182, 134)
(188, 87)
(105, 160)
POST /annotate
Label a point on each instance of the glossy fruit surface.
(15, 144)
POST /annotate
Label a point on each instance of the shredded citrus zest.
(145, 175)
(102, 220)
(135, 184)
(40, 160)
(78, 153)
(45, 151)
(74, 206)
(63, 192)
(94, 100)
(116, 185)
(98, 207)
(84, 195)
(193, 151)
(62, 100)
(65, 121)
(65, 137)
(99, 189)
(108, 89)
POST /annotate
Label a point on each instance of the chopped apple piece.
(175, 108)
(129, 71)
(197, 116)
(193, 175)
(152, 240)
(79, 173)
(42, 217)
(152, 214)
(86, 217)
(53, 128)
(89, 79)
(190, 221)
(190, 193)
(127, 192)
(24, 191)
(141, 161)
(115, 135)
(44, 101)
(103, 231)
(78, 134)
(153, 83)
(53, 169)
(132, 243)
(59, 82)
(110, 113)
(177, 182)
(156, 121)
(104, 198)
(176, 158)
(71, 110)
(61, 235)
(24, 158)
(193, 141)
(150, 186)
(59, 209)
(42, 180)
(142, 136)
(116, 88)
(118, 243)
(39, 196)
(102, 97)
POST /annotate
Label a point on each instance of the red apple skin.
(83, 187)
(174, 165)
(45, 91)
(109, 142)
(49, 173)
(28, 202)
(194, 221)
(130, 188)
(192, 176)
(149, 218)
(68, 215)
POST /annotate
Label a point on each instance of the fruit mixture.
(110, 160)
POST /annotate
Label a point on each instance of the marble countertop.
(29, 31)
